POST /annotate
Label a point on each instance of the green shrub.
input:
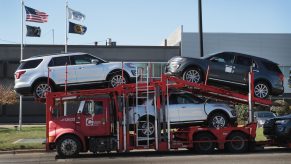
(281, 107)
(7, 95)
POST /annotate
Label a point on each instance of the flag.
(73, 14)
(76, 28)
(33, 31)
(33, 15)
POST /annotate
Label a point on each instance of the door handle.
(81, 67)
(183, 107)
(255, 70)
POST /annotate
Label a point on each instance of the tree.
(7, 95)
(281, 107)
(242, 113)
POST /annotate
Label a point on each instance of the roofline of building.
(87, 46)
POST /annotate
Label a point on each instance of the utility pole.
(53, 32)
(200, 27)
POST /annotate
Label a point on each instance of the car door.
(61, 70)
(242, 65)
(173, 108)
(221, 67)
(86, 70)
(94, 118)
(189, 108)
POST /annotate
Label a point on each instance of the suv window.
(242, 60)
(59, 61)
(270, 66)
(81, 59)
(184, 99)
(222, 58)
(30, 64)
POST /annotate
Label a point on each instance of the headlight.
(280, 128)
(261, 122)
(282, 121)
(130, 65)
(133, 72)
(174, 65)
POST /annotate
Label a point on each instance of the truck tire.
(116, 79)
(68, 146)
(238, 144)
(204, 147)
(193, 75)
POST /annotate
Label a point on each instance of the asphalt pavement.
(268, 156)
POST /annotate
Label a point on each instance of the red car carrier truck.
(97, 120)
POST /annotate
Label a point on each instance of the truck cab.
(82, 125)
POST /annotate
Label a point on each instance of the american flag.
(33, 15)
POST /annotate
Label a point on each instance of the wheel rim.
(192, 76)
(147, 130)
(237, 143)
(69, 147)
(261, 90)
(117, 80)
(41, 89)
(218, 121)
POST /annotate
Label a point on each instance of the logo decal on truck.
(91, 122)
(68, 119)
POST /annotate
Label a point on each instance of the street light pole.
(200, 27)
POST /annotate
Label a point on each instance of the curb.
(23, 151)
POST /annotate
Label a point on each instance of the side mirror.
(95, 61)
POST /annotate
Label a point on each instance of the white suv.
(81, 70)
(184, 109)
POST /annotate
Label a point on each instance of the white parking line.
(15, 142)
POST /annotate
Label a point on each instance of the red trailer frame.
(172, 138)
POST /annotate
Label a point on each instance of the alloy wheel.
(41, 89)
(192, 76)
(218, 121)
(117, 80)
(148, 130)
(261, 90)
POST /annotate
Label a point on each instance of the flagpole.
(21, 57)
(66, 39)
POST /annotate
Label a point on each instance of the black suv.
(230, 69)
(278, 128)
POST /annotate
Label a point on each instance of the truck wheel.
(193, 75)
(217, 120)
(40, 88)
(68, 146)
(238, 143)
(206, 146)
(116, 79)
(144, 130)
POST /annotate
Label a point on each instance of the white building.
(275, 47)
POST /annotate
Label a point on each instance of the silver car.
(262, 116)
(184, 108)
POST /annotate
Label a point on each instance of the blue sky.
(145, 22)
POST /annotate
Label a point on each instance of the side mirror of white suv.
(95, 61)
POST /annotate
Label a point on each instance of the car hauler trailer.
(100, 122)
